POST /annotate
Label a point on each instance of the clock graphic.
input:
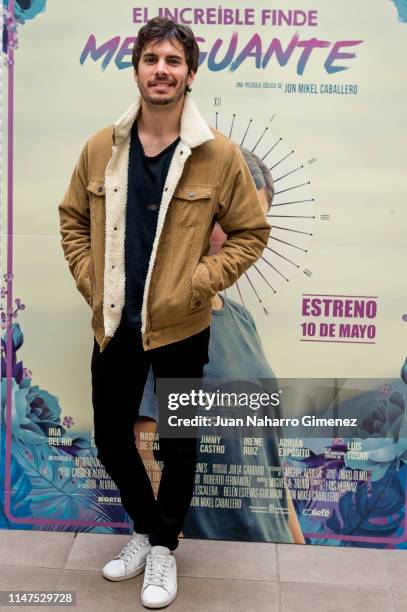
(292, 214)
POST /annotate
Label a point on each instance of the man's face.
(162, 73)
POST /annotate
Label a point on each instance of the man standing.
(135, 225)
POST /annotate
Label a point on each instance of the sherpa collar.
(194, 129)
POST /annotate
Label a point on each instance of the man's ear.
(135, 76)
(190, 77)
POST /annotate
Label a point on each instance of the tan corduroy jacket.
(208, 180)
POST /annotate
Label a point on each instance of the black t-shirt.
(146, 179)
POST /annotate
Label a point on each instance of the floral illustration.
(401, 6)
(23, 10)
(43, 483)
(374, 510)
(27, 9)
(374, 506)
(68, 422)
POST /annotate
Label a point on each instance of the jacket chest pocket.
(189, 204)
(96, 189)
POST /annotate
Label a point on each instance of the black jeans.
(119, 374)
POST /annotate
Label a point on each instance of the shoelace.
(157, 568)
(130, 548)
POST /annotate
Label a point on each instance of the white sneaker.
(160, 578)
(130, 561)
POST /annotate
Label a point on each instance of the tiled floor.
(213, 576)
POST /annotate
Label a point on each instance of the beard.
(166, 99)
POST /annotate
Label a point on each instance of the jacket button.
(115, 189)
(100, 189)
(115, 228)
(111, 305)
(113, 267)
(191, 194)
(198, 303)
(181, 152)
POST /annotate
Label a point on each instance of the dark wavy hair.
(161, 28)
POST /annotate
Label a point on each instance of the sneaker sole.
(136, 572)
(161, 605)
